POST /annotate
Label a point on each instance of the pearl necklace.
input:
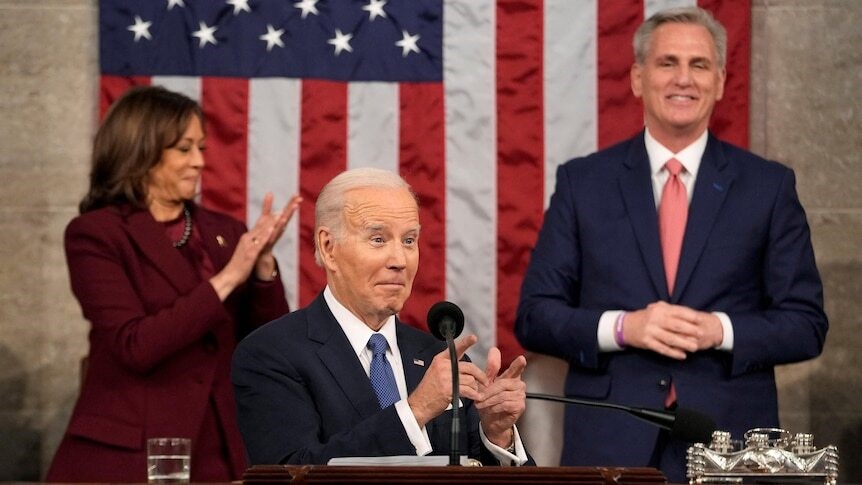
(187, 230)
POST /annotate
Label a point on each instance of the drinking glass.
(168, 460)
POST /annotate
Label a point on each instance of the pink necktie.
(672, 214)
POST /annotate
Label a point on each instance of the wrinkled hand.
(434, 393)
(504, 399)
(672, 330)
(254, 248)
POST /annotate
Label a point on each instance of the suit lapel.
(218, 244)
(714, 178)
(150, 238)
(415, 357)
(636, 189)
(337, 355)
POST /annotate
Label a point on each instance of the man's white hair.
(681, 15)
(329, 210)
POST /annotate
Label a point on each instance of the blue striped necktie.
(382, 378)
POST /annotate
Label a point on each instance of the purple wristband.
(618, 330)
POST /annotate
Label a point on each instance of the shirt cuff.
(417, 436)
(727, 340)
(605, 333)
(506, 458)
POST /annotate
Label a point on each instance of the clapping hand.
(503, 399)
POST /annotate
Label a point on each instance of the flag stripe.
(273, 148)
(372, 126)
(653, 6)
(520, 148)
(323, 155)
(112, 87)
(188, 85)
(730, 118)
(570, 84)
(223, 182)
(471, 166)
(422, 164)
(620, 114)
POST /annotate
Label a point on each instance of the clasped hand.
(499, 399)
(254, 248)
(672, 330)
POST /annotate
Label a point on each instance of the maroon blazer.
(160, 342)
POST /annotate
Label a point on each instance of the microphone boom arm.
(685, 424)
(595, 404)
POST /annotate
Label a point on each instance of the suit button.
(663, 383)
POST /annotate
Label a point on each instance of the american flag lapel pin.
(419, 362)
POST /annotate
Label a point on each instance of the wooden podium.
(420, 475)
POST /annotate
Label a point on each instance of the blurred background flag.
(474, 102)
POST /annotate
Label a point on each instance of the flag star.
(272, 37)
(175, 3)
(239, 6)
(375, 9)
(341, 42)
(141, 29)
(205, 34)
(307, 7)
(408, 43)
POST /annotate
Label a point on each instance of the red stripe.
(224, 180)
(323, 155)
(422, 162)
(112, 87)
(620, 113)
(730, 118)
(520, 154)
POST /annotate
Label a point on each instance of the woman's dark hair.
(137, 128)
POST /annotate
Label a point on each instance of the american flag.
(474, 102)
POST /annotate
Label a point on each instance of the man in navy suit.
(303, 382)
(693, 303)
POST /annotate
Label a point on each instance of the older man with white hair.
(343, 376)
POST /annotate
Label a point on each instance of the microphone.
(446, 321)
(684, 424)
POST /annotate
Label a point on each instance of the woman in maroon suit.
(169, 287)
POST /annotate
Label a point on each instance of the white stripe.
(273, 164)
(571, 86)
(372, 125)
(471, 166)
(188, 85)
(571, 130)
(653, 6)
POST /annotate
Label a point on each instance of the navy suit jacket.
(746, 252)
(303, 396)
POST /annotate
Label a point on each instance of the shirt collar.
(689, 156)
(356, 330)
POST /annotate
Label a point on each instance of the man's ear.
(722, 78)
(635, 76)
(326, 245)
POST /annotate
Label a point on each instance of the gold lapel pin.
(220, 240)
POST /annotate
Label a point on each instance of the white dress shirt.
(690, 158)
(358, 333)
